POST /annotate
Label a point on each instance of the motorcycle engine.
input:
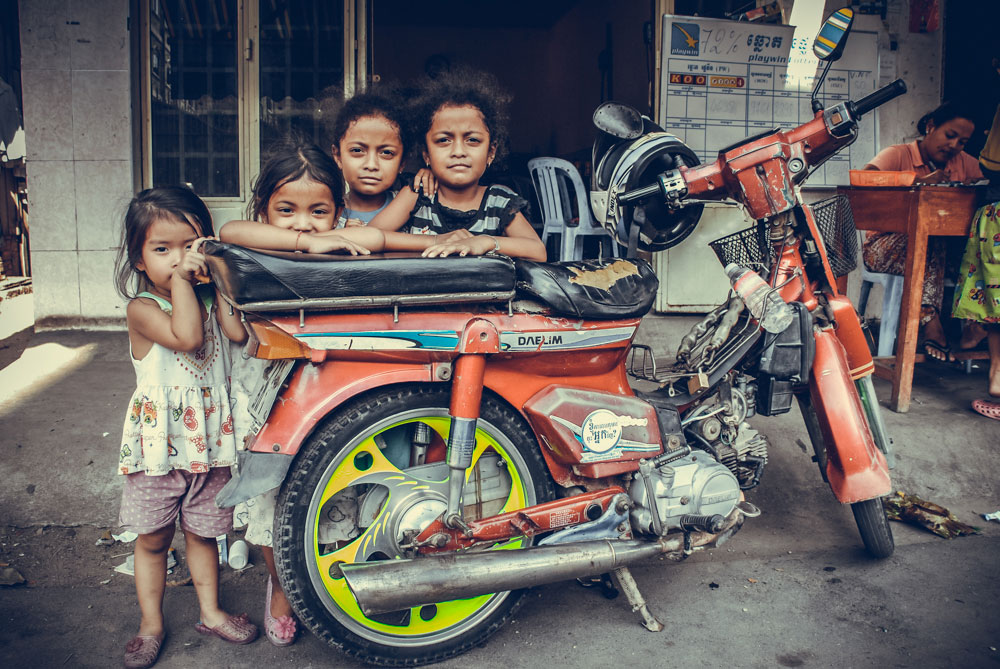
(693, 485)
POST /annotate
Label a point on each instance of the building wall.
(77, 117)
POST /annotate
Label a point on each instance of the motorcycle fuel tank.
(595, 433)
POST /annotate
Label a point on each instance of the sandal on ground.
(236, 629)
(281, 630)
(938, 351)
(987, 408)
(143, 651)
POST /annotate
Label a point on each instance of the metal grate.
(836, 226)
(746, 248)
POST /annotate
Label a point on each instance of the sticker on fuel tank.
(601, 435)
(601, 431)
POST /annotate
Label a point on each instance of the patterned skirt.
(977, 296)
(885, 253)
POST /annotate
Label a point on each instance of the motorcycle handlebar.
(628, 197)
(879, 97)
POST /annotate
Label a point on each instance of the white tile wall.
(55, 283)
(51, 198)
(102, 127)
(48, 116)
(78, 128)
(98, 298)
(103, 191)
(99, 37)
(45, 34)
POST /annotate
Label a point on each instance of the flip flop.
(143, 651)
(236, 629)
(931, 347)
(986, 408)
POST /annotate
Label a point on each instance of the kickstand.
(627, 584)
(603, 582)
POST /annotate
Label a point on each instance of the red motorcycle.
(449, 432)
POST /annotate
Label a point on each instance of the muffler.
(392, 585)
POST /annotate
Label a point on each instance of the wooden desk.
(919, 212)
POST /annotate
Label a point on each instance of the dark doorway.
(559, 58)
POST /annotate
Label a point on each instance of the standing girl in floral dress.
(177, 444)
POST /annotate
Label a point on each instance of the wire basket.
(747, 248)
(836, 226)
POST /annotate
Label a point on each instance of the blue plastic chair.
(557, 183)
(892, 300)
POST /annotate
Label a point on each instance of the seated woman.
(936, 157)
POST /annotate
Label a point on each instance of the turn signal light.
(269, 342)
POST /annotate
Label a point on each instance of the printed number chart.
(724, 81)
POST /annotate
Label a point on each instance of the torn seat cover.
(603, 289)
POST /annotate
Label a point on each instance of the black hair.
(946, 112)
(290, 160)
(382, 103)
(462, 86)
(176, 202)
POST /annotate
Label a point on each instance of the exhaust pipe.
(393, 585)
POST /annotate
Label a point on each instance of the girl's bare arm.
(356, 241)
(396, 213)
(181, 330)
(519, 241)
(230, 321)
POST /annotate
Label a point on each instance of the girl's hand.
(330, 243)
(202, 277)
(424, 180)
(193, 267)
(454, 236)
(477, 245)
(353, 223)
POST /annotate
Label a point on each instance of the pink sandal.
(143, 651)
(987, 408)
(236, 629)
(281, 630)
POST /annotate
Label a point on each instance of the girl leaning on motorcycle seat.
(460, 122)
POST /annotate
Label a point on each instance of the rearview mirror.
(832, 37)
(618, 120)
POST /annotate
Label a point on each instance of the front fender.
(314, 390)
(855, 468)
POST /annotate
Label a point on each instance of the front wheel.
(873, 524)
(372, 477)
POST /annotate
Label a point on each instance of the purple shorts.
(150, 503)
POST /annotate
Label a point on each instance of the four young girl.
(183, 429)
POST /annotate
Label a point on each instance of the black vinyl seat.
(281, 281)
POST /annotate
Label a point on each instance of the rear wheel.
(373, 474)
(873, 525)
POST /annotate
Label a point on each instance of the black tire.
(355, 449)
(874, 527)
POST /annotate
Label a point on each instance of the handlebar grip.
(879, 97)
(631, 196)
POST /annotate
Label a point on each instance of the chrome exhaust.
(393, 585)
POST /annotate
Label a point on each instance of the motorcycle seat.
(281, 281)
(600, 289)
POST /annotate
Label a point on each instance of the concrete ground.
(793, 588)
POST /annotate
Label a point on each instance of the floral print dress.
(179, 416)
(977, 294)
